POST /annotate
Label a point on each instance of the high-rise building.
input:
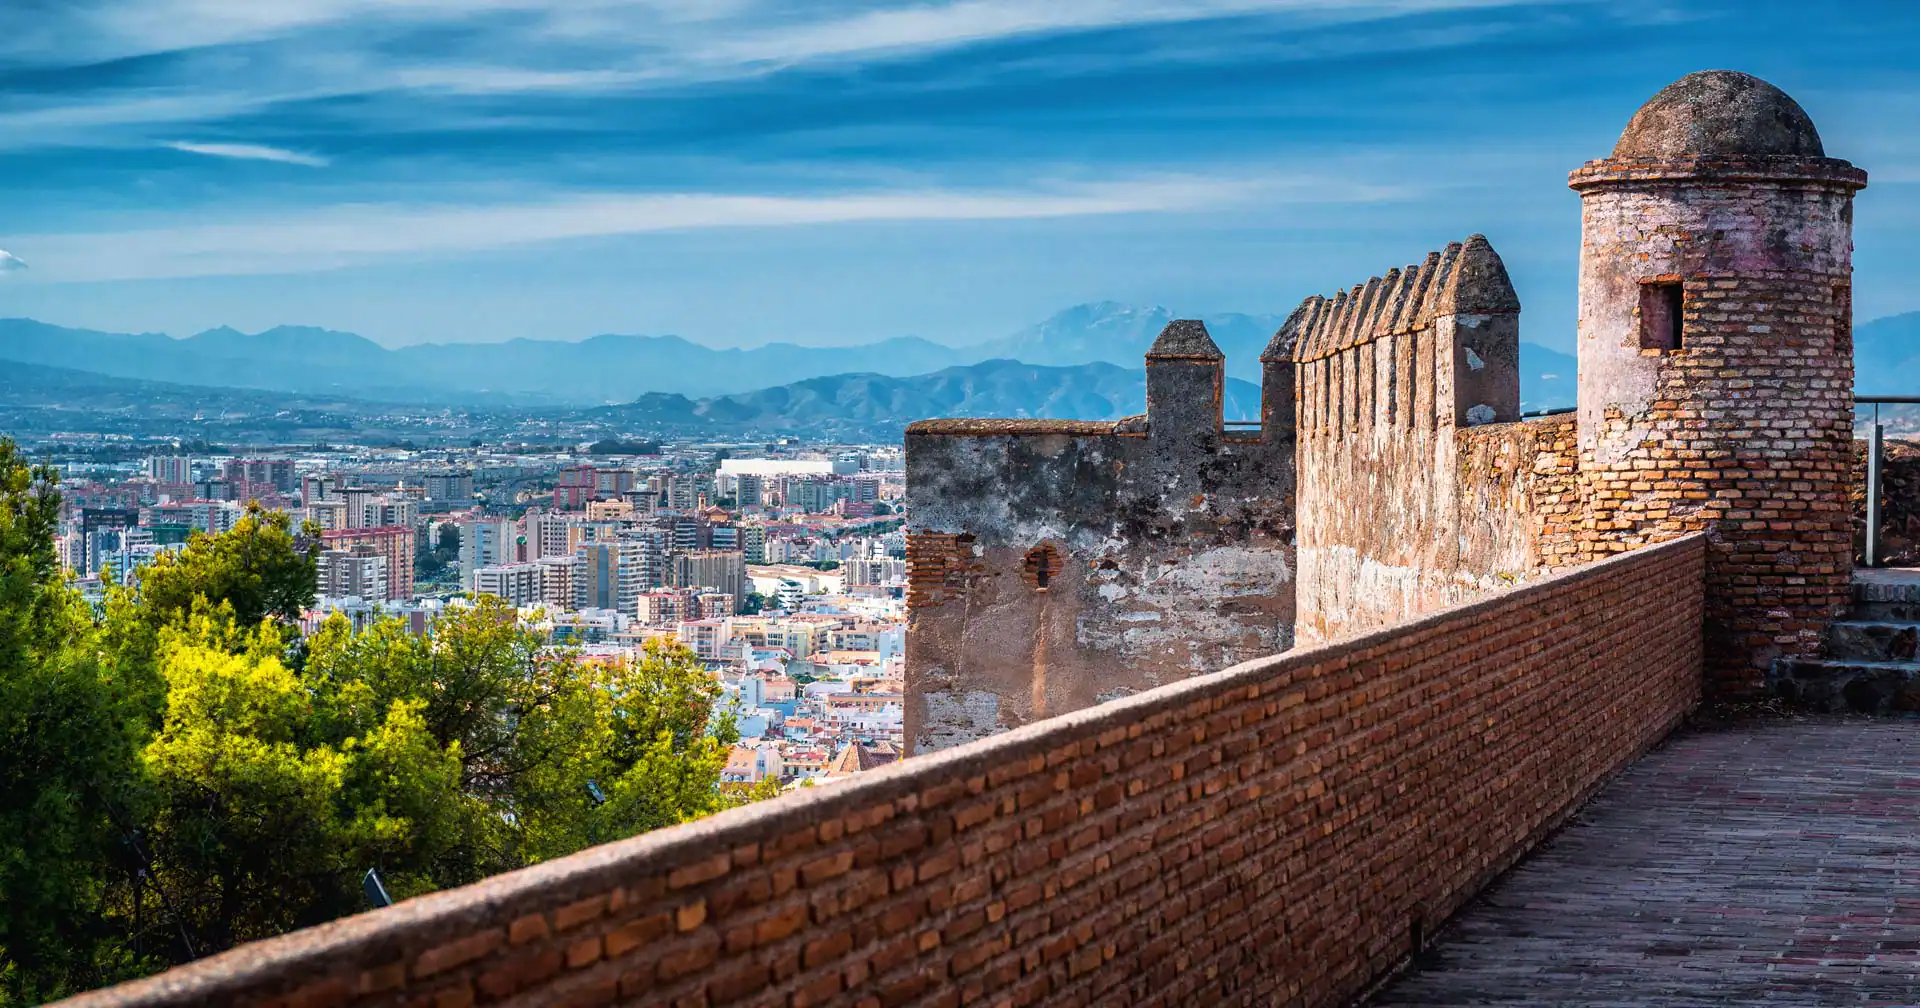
(359, 570)
(722, 571)
(643, 562)
(387, 511)
(546, 534)
(330, 515)
(393, 542)
(520, 584)
(484, 544)
(611, 482)
(449, 487)
(323, 486)
(750, 490)
(867, 571)
(753, 542)
(258, 476)
(100, 530)
(558, 577)
(575, 487)
(597, 581)
(669, 606)
(170, 469)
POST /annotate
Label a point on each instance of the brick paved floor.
(1774, 863)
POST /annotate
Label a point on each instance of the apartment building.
(359, 570)
(396, 543)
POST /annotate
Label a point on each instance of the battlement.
(1432, 344)
(1398, 512)
(1056, 564)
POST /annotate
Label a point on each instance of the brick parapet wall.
(1273, 833)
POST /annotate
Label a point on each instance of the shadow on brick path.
(1770, 862)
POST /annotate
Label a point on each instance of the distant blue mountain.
(620, 369)
(874, 406)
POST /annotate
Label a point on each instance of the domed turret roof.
(1720, 113)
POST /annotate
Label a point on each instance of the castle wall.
(1282, 832)
(1162, 558)
(1418, 488)
(1746, 428)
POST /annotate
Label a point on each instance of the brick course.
(1276, 833)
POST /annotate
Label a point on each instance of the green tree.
(532, 729)
(269, 804)
(66, 765)
(186, 775)
(260, 567)
(259, 570)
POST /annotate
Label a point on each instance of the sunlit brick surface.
(1275, 833)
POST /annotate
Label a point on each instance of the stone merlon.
(1185, 339)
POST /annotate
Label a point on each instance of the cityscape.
(957, 503)
(781, 567)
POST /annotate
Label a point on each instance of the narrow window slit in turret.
(1662, 315)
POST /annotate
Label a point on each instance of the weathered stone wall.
(1276, 833)
(1402, 507)
(1055, 565)
(1745, 428)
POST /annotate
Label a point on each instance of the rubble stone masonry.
(1282, 832)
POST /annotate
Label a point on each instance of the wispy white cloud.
(748, 30)
(939, 25)
(332, 47)
(343, 236)
(10, 263)
(249, 152)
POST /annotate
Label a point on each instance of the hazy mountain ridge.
(880, 406)
(306, 360)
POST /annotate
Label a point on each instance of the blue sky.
(740, 171)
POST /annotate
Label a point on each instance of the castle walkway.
(1772, 862)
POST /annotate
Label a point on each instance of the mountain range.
(873, 406)
(1082, 363)
(604, 369)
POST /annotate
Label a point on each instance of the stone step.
(1886, 584)
(1844, 684)
(1874, 640)
(1885, 612)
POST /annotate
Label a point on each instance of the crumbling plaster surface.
(1174, 558)
(1641, 230)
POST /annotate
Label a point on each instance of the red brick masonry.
(1278, 832)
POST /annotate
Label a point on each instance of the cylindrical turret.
(1716, 358)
